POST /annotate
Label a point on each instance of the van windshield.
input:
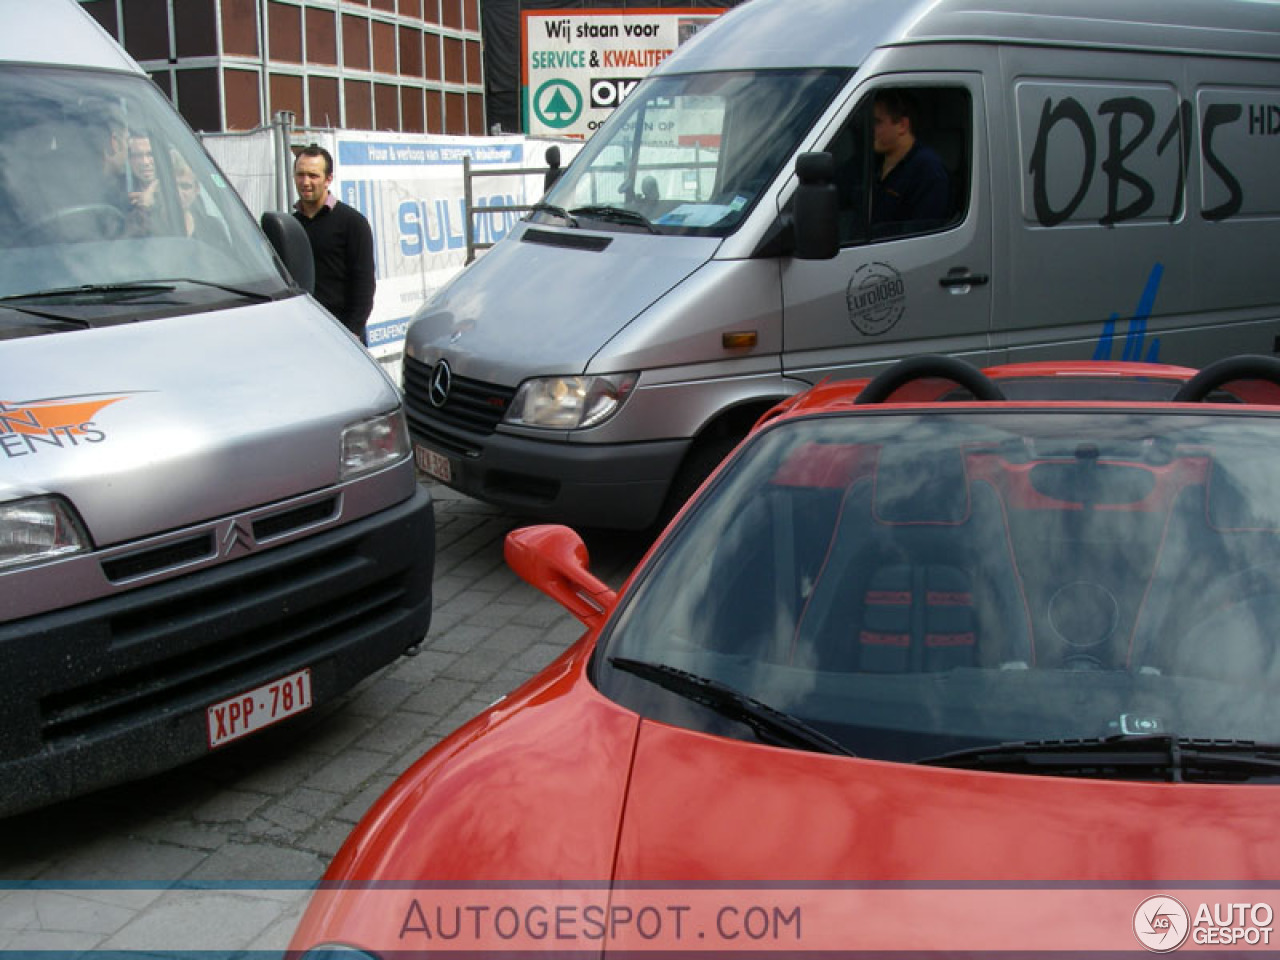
(105, 196)
(690, 153)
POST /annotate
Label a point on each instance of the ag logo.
(876, 298)
(557, 103)
(1161, 924)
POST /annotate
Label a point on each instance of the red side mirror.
(554, 559)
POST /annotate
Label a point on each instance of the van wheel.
(704, 457)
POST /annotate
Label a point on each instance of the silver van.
(209, 518)
(1112, 191)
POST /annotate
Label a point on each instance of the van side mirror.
(554, 170)
(292, 246)
(814, 208)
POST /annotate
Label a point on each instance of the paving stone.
(359, 803)
(438, 697)
(229, 806)
(209, 921)
(347, 772)
(395, 733)
(253, 863)
(460, 639)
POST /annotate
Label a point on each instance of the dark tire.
(703, 457)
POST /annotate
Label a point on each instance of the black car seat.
(920, 575)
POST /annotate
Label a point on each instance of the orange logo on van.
(34, 426)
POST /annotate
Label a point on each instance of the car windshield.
(105, 194)
(910, 584)
(691, 153)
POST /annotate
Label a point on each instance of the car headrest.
(1230, 507)
(917, 486)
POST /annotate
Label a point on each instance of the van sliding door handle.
(962, 278)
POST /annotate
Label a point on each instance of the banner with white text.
(411, 190)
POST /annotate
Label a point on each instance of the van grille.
(152, 560)
(289, 614)
(473, 405)
(146, 562)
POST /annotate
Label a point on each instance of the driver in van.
(912, 182)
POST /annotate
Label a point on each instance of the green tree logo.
(558, 103)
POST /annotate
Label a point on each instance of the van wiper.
(555, 211)
(237, 291)
(77, 322)
(768, 723)
(615, 215)
(1123, 756)
(120, 291)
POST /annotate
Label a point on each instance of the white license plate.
(254, 709)
(433, 464)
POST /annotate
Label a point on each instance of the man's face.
(887, 132)
(141, 159)
(310, 180)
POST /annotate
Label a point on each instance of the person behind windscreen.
(341, 242)
(912, 182)
(196, 222)
(142, 164)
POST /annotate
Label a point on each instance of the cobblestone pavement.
(259, 823)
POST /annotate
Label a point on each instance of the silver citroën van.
(209, 518)
(1114, 192)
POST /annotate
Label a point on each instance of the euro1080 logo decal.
(876, 297)
(32, 427)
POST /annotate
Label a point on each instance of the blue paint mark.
(1135, 337)
(1103, 349)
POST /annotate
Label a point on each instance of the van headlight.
(373, 444)
(570, 403)
(39, 530)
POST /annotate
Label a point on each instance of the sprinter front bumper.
(121, 687)
(619, 485)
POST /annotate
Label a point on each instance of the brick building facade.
(405, 65)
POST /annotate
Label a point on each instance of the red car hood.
(559, 789)
(706, 810)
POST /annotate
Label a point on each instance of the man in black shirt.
(912, 185)
(341, 242)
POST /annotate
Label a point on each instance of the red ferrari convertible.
(950, 661)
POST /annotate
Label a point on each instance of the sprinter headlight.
(372, 444)
(38, 530)
(569, 403)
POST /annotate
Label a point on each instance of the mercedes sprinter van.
(1104, 182)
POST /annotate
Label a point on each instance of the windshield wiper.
(615, 215)
(92, 290)
(768, 723)
(555, 211)
(77, 322)
(128, 291)
(226, 288)
(1159, 756)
